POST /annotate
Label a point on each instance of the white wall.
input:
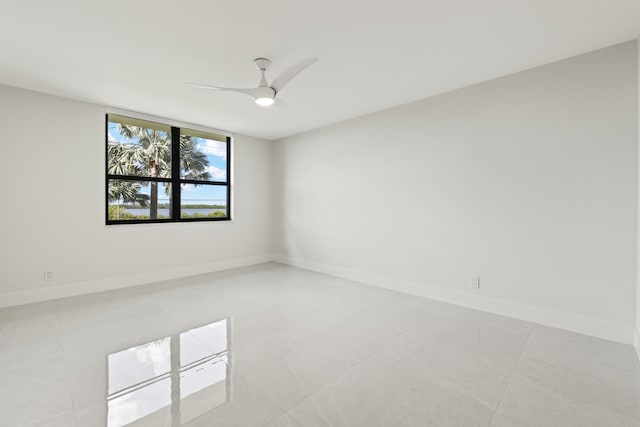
(637, 331)
(528, 180)
(52, 191)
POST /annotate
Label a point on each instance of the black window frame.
(176, 181)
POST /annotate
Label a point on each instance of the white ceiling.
(373, 55)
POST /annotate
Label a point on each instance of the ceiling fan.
(265, 94)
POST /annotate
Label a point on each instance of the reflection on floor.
(275, 346)
(158, 381)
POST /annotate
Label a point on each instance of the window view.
(151, 178)
(203, 157)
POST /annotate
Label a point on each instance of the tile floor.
(278, 346)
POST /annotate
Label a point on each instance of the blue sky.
(216, 153)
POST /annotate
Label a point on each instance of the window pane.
(203, 156)
(203, 201)
(137, 147)
(138, 200)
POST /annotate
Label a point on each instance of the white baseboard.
(572, 322)
(88, 287)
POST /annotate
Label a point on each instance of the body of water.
(165, 212)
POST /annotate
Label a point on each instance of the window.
(161, 173)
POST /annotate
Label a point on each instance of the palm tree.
(193, 162)
(127, 191)
(152, 155)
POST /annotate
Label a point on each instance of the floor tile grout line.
(365, 358)
(270, 420)
(55, 417)
(514, 375)
(464, 393)
(372, 354)
(450, 386)
(64, 357)
(288, 362)
(542, 389)
(515, 367)
(323, 413)
(299, 330)
(560, 398)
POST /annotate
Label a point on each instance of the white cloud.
(217, 173)
(188, 187)
(215, 148)
(111, 137)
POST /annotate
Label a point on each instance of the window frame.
(175, 180)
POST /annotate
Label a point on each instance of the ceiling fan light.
(264, 101)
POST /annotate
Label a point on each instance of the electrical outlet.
(48, 275)
(474, 281)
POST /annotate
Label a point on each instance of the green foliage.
(148, 154)
(203, 206)
(119, 213)
(192, 206)
(216, 214)
(193, 162)
(128, 192)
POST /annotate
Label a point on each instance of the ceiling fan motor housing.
(264, 92)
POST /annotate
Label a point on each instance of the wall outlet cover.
(474, 281)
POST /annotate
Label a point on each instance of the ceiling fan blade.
(250, 92)
(281, 105)
(287, 75)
